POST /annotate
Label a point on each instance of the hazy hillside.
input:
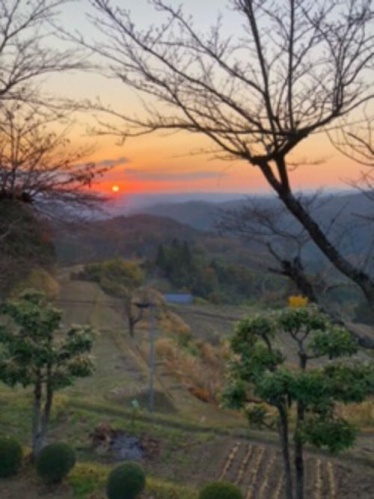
(344, 216)
(130, 204)
(198, 214)
(137, 235)
(203, 214)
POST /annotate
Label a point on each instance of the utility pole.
(151, 356)
(151, 306)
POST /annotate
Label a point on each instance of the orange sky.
(169, 164)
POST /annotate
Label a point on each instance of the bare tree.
(285, 245)
(356, 141)
(296, 68)
(39, 167)
(41, 174)
(38, 164)
(27, 49)
(269, 226)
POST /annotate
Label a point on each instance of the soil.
(257, 469)
(27, 488)
(254, 466)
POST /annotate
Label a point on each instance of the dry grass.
(198, 365)
(38, 278)
(361, 415)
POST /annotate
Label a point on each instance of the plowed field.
(257, 470)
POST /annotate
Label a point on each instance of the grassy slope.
(190, 452)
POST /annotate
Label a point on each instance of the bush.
(126, 481)
(220, 490)
(54, 462)
(10, 456)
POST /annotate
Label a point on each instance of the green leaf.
(333, 342)
(336, 434)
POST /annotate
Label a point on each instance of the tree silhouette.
(295, 69)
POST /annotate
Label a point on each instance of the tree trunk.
(294, 206)
(363, 280)
(300, 416)
(299, 458)
(283, 436)
(131, 327)
(133, 318)
(294, 270)
(36, 418)
(46, 410)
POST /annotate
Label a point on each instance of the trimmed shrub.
(10, 456)
(220, 490)
(126, 481)
(55, 461)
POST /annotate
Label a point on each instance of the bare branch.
(41, 166)
(295, 69)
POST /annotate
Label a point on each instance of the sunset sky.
(170, 163)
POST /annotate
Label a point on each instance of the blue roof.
(182, 298)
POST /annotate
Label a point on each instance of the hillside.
(186, 441)
(139, 236)
(136, 235)
(198, 214)
(204, 214)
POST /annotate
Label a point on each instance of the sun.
(115, 188)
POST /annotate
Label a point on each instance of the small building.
(178, 298)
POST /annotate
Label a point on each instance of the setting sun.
(115, 188)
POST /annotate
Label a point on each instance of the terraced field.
(257, 470)
(187, 457)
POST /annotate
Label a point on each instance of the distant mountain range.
(203, 214)
(141, 228)
(344, 215)
(130, 204)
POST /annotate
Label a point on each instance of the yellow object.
(297, 301)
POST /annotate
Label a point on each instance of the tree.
(268, 386)
(285, 245)
(37, 161)
(28, 50)
(36, 352)
(39, 168)
(38, 164)
(24, 244)
(42, 175)
(122, 279)
(356, 142)
(297, 68)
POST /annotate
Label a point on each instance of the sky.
(173, 163)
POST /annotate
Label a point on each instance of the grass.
(192, 434)
(87, 479)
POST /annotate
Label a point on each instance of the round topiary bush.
(10, 456)
(55, 461)
(126, 481)
(220, 490)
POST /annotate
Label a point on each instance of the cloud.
(134, 174)
(112, 162)
(107, 163)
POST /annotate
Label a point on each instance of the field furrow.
(331, 480)
(229, 460)
(252, 473)
(278, 487)
(265, 476)
(244, 464)
(318, 480)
